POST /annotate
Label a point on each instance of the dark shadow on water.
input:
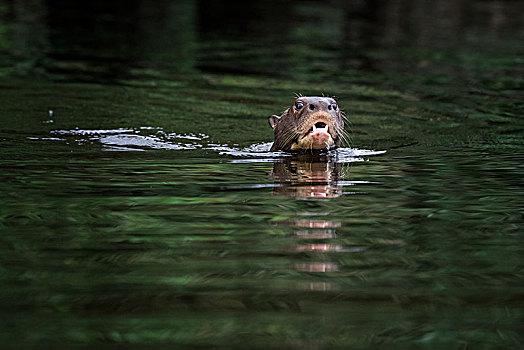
(99, 41)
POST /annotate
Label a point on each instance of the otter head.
(311, 123)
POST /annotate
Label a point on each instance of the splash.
(133, 139)
(155, 138)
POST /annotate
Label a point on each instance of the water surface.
(140, 206)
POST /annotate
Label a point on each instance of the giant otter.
(311, 123)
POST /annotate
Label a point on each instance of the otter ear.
(273, 120)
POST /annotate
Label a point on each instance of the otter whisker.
(348, 140)
(311, 123)
(287, 137)
(345, 117)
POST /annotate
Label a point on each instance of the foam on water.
(148, 137)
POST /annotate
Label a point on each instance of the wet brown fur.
(294, 123)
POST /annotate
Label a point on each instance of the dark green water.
(140, 207)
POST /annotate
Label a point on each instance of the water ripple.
(148, 137)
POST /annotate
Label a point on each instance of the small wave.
(260, 152)
(150, 137)
(135, 139)
(130, 140)
(88, 132)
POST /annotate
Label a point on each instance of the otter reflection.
(314, 234)
(307, 177)
(311, 177)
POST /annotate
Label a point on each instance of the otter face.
(311, 123)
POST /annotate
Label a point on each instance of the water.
(140, 206)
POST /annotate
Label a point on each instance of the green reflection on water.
(176, 243)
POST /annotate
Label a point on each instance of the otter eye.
(334, 106)
(299, 105)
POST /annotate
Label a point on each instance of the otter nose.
(320, 105)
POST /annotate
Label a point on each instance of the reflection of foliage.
(192, 248)
(158, 249)
(4, 43)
